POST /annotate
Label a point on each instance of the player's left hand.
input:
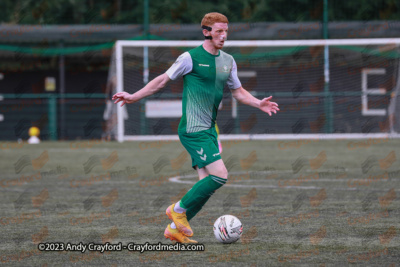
(268, 107)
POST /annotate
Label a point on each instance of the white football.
(228, 229)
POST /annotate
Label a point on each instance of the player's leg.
(217, 168)
(202, 172)
(203, 147)
(201, 192)
(192, 211)
(171, 232)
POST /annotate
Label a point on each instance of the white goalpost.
(359, 101)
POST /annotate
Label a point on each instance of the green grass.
(317, 215)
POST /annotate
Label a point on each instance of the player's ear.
(206, 33)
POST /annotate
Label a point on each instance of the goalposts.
(326, 89)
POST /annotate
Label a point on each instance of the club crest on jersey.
(225, 68)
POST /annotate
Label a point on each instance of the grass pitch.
(310, 202)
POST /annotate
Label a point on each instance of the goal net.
(346, 88)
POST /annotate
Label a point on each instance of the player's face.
(219, 34)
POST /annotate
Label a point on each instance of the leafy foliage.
(186, 11)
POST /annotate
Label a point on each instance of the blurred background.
(56, 64)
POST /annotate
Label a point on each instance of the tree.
(190, 11)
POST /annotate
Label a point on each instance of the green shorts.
(202, 147)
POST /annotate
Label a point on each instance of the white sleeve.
(233, 80)
(182, 66)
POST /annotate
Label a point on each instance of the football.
(228, 229)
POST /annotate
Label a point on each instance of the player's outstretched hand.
(268, 107)
(123, 96)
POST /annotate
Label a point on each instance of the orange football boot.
(177, 236)
(180, 221)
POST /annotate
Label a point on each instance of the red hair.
(214, 17)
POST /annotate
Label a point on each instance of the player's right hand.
(123, 96)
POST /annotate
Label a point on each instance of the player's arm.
(244, 97)
(152, 87)
(182, 66)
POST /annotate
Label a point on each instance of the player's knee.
(223, 173)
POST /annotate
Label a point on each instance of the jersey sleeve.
(233, 80)
(182, 66)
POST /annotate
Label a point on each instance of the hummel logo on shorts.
(204, 65)
(216, 154)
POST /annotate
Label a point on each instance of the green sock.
(201, 192)
(192, 211)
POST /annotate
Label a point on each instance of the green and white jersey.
(204, 78)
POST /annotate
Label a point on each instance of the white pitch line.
(177, 179)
